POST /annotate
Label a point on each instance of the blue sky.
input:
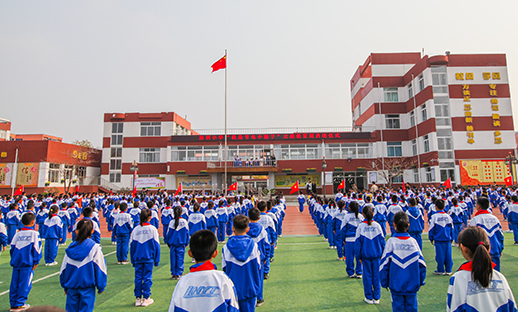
(63, 64)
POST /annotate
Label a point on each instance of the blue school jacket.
(210, 217)
(240, 259)
(96, 236)
(167, 216)
(457, 214)
(369, 242)
(144, 245)
(83, 266)
(135, 216)
(493, 228)
(349, 225)
(65, 218)
(441, 227)
(25, 249)
(260, 237)
(178, 236)
(197, 222)
(416, 218)
(221, 212)
(52, 228)
(402, 268)
(122, 223)
(13, 218)
(512, 213)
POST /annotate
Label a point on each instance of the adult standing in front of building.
(309, 187)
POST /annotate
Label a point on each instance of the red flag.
(179, 190)
(447, 183)
(233, 187)
(134, 191)
(220, 64)
(404, 188)
(77, 190)
(19, 191)
(508, 181)
(111, 193)
(341, 185)
(295, 188)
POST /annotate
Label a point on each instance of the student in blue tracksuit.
(512, 217)
(65, 219)
(231, 214)
(260, 237)
(41, 215)
(403, 268)
(123, 225)
(12, 221)
(111, 221)
(368, 248)
(241, 261)
(380, 214)
(457, 216)
(52, 231)
(167, 216)
(154, 214)
(25, 257)
(416, 218)
(135, 214)
(197, 220)
(489, 223)
(3, 235)
(441, 236)
(269, 226)
(222, 214)
(177, 239)
(349, 227)
(339, 239)
(477, 286)
(96, 235)
(83, 270)
(391, 211)
(302, 200)
(210, 217)
(145, 253)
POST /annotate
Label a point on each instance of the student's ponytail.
(177, 214)
(84, 230)
(341, 205)
(454, 201)
(353, 207)
(401, 222)
(477, 242)
(52, 211)
(144, 216)
(368, 214)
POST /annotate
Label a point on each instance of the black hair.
(401, 222)
(210, 205)
(354, 207)
(254, 214)
(240, 223)
(30, 204)
(196, 207)
(87, 212)
(261, 205)
(150, 204)
(13, 206)
(53, 210)
(269, 205)
(514, 198)
(368, 214)
(177, 214)
(64, 205)
(123, 206)
(167, 202)
(412, 202)
(483, 202)
(439, 204)
(144, 215)
(341, 205)
(394, 198)
(203, 243)
(135, 204)
(477, 242)
(84, 230)
(27, 218)
(454, 201)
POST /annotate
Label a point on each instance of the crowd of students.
(355, 225)
(252, 229)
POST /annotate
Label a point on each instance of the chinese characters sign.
(6, 171)
(474, 172)
(27, 174)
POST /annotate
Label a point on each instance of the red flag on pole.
(134, 191)
(77, 190)
(404, 188)
(233, 187)
(179, 190)
(341, 185)
(19, 191)
(508, 181)
(220, 64)
(295, 188)
(447, 183)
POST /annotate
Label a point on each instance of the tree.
(391, 168)
(83, 143)
(77, 158)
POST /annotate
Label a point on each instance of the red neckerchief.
(205, 266)
(468, 266)
(54, 215)
(403, 236)
(442, 211)
(167, 207)
(481, 211)
(26, 229)
(145, 223)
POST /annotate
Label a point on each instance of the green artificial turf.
(304, 277)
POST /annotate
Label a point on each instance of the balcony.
(242, 167)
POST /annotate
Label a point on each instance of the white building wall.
(390, 70)
(484, 140)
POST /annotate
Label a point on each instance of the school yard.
(304, 277)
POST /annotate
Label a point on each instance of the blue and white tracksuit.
(212, 220)
(441, 234)
(145, 252)
(13, 223)
(25, 254)
(167, 216)
(177, 239)
(403, 270)
(493, 228)
(466, 295)
(221, 212)
(67, 226)
(197, 222)
(41, 216)
(348, 229)
(339, 238)
(269, 226)
(204, 289)
(135, 216)
(368, 247)
(3, 236)
(52, 231)
(260, 237)
(241, 261)
(512, 218)
(122, 226)
(82, 271)
(391, 211)
(457, 215)
(96, 235)
(416, 218)
(380, 216)
(301, 199)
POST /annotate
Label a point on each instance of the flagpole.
(226, 69)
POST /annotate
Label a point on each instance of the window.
(312, 151)
(390, 94)
(444, 143)
(149, 155)
(426, 144)
(398, 179)
(117, 127)
(364, 150)
(414, 147)
(445, 154)
(416, 175)
(423, 112)
(53, 173)
(115, 164)
(116, 140)
(412, 119)
(392, 121)
(439, 76)
(115, 177)
(81, 173)
(68, 171)
(150, 128)
(447, 173)
(116, 152)
(429, 177)
(421, 83)
(394, 149)
(410, 91)
(444, 132)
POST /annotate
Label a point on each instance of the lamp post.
(324, 166)
(134, 169)
(509, 161)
